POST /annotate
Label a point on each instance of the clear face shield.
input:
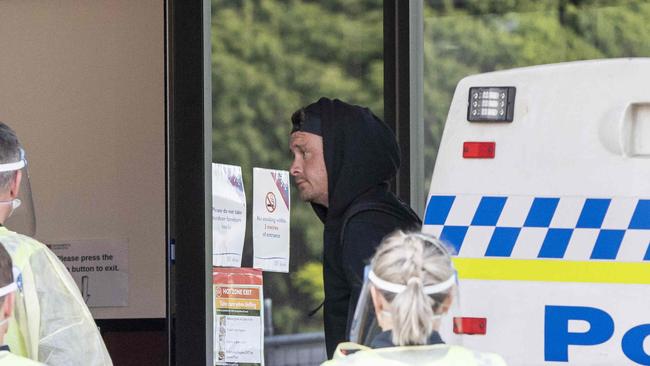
(445, 305)
(20, 209)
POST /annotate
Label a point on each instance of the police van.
(542, 187)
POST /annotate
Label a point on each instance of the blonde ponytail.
(415, 261)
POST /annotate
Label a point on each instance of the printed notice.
(271, 219)
(228, 215)
(238, 316)
(99, 267)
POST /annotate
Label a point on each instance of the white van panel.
(559, 219)
(569, 135)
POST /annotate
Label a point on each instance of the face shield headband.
(10, 167)
(5, 290)
(17, 165)
(397, 288)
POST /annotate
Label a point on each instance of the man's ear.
(15, 185)
(8, 306)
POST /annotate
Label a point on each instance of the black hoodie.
(361, 156)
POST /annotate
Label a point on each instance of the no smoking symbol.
(270, 202)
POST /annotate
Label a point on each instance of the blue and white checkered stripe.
(526, 227)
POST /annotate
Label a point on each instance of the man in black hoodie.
(344, 157)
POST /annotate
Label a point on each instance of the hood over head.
(360, 152)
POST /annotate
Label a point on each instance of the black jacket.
(384, 339)
(361, 156)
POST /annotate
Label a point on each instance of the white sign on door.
(228, 215)
(271, 212)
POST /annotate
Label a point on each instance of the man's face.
(308, 167)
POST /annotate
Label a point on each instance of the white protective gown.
(51, 322)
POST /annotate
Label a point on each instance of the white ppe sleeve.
(68, 334)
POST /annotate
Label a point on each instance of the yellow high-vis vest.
(9, 359)
(351, 354)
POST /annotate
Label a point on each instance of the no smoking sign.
(271, 220)
(270, 202)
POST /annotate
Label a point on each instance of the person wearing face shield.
(410, 291)
(50, 323)
(7, 295)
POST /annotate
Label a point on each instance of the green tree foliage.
(271, 57)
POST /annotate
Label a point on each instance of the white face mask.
(5, 290)
(14, 203)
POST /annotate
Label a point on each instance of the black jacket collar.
(383, 340)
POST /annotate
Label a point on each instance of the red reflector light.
(470, 325)
(479, 150)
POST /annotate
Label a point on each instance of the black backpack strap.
(314, 311)
(372, 206)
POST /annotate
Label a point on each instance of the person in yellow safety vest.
(7, 289)
(51, 322)
(411, 285)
